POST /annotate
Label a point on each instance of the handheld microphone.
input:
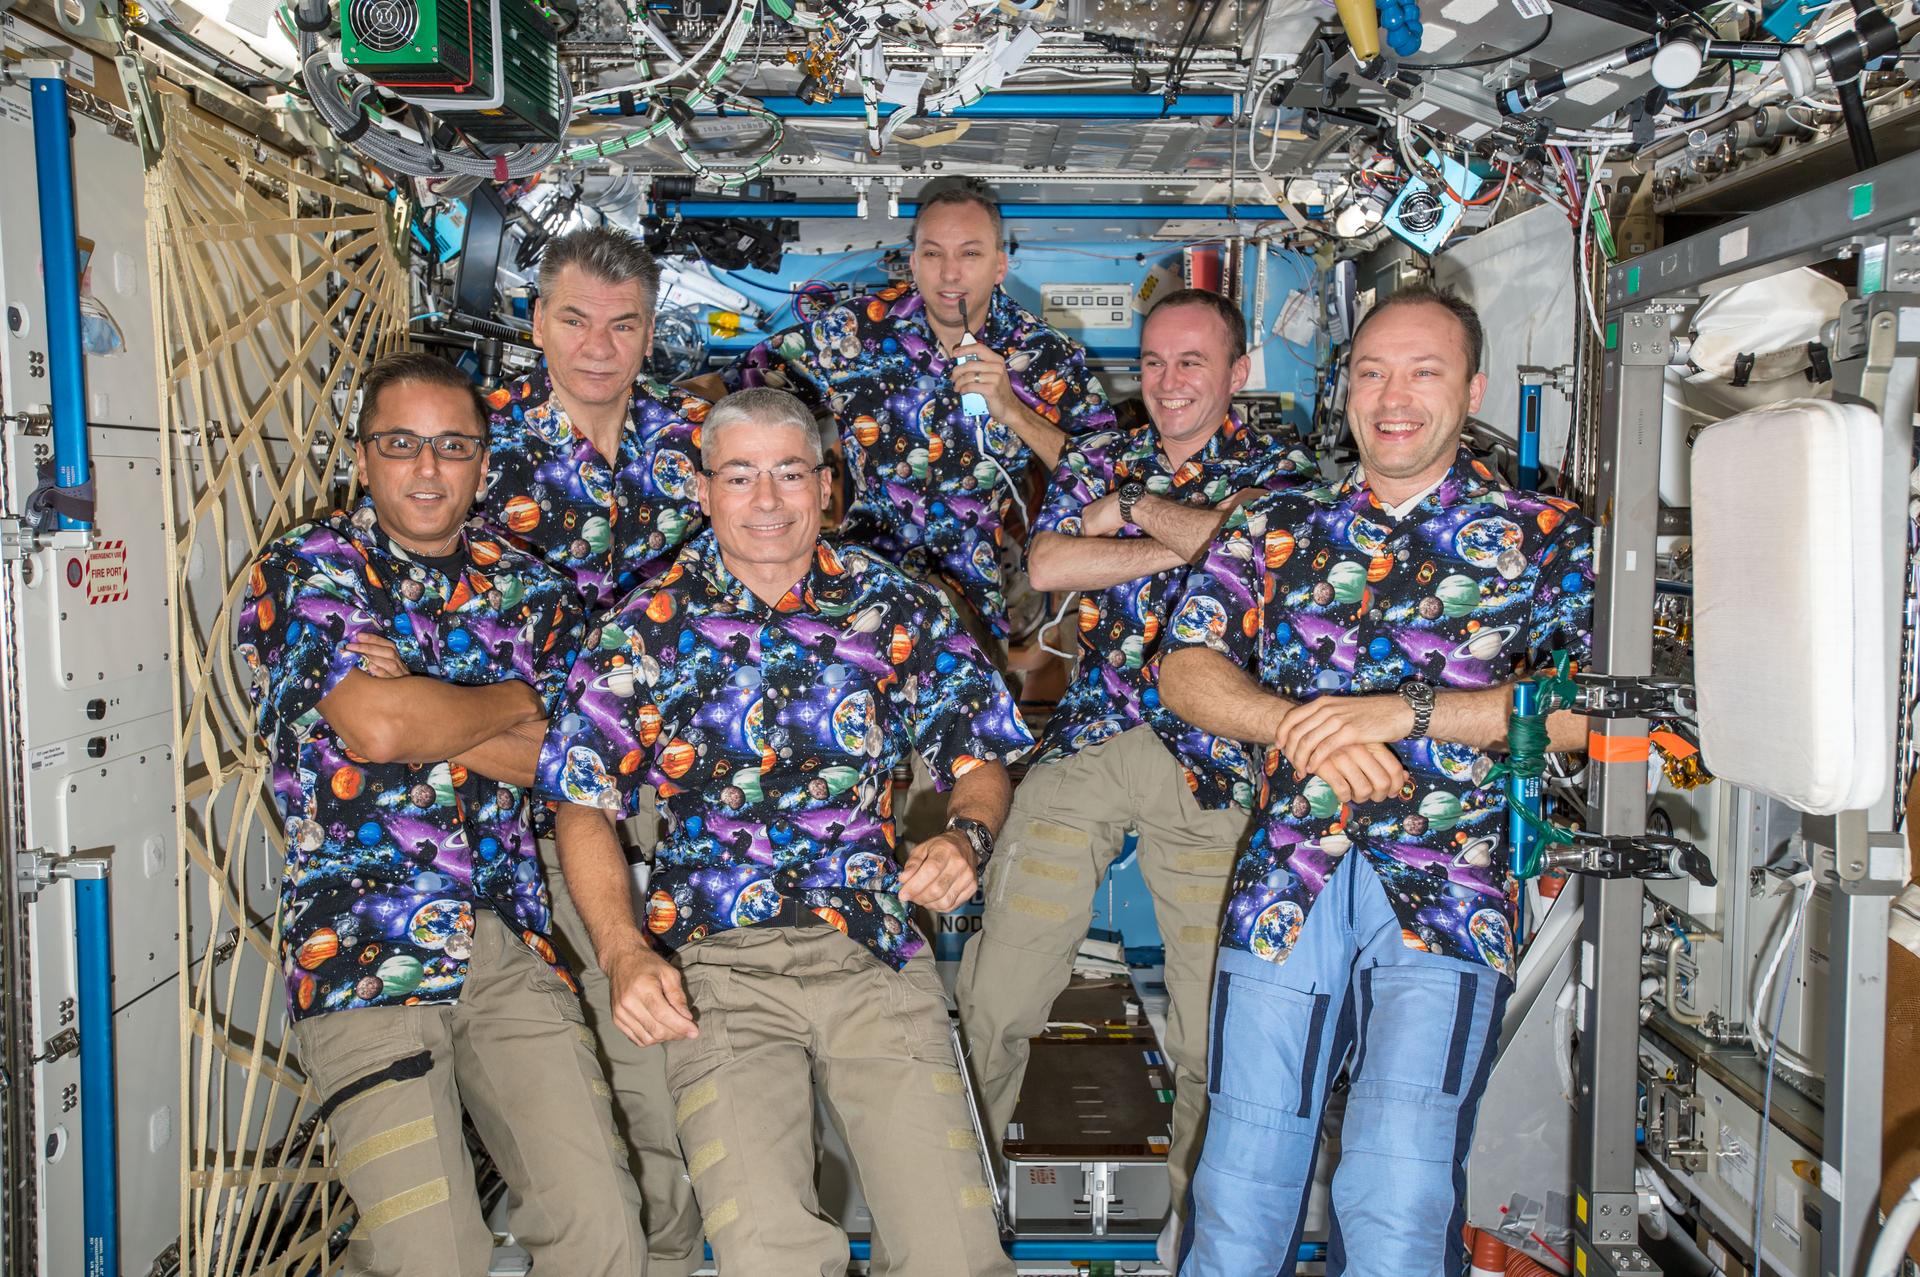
(972, 402)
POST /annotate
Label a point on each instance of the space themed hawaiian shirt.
(932, 486)
(772, 734)
(1322, 592)
(606, 527)
(1115, 686)
(388, 862)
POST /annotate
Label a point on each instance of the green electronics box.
(490, 68)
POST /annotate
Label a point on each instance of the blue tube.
(741, 342)
(99, 1143)
(1118, 212)
(1529, 475)
(1014, 106)
(693, 209)
(1522, 792)
(60, 269)
(709, 209)
(1093, 1248)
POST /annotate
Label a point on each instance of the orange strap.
(1617, 749)
(1675, 745)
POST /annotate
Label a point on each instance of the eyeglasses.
(404, 445)
(742, 479)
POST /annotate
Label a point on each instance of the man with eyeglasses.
(941, 392)
(767, 685)
(403, 666)
(593, 469)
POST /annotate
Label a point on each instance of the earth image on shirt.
(1493, 938)
(758, 901)
(1276, 930)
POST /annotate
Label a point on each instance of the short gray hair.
(608, 254)
(760, 406)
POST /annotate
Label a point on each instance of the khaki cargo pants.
(516, 1055)
(783, 1011)
(638, 1074)
(1068, 823)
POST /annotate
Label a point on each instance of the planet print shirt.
(388, 862)
(772, 734)
(1321, 592)
(932, 487)
(606, 525)
(1115, 686)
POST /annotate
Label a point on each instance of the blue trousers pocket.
(1265, 1054)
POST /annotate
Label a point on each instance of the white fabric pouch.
(1789, 609)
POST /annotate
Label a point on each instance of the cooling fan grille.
(1421, 211)
(384, 26)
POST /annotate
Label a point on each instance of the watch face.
(976, 835)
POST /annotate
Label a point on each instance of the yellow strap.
(386, 1142)
(401, 1205)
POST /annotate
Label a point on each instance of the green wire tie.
(1528, 745)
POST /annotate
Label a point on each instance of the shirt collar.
(1003, 317)
(1412, 503)
(537, 390)
(368, 533)
(1229, 440)
(824, 586)
(1467, 479)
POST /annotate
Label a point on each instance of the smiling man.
(1125, 515)
(403, 667)
(941, 392)
(768, 684)
(1382, 619)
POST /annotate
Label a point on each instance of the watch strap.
(978, 837)
(1419, 696)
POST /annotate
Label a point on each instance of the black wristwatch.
(1130, 493)
(978, 836)
(1420, 696)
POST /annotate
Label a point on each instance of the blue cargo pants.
(1420, 1031)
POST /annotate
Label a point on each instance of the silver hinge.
(62, 1044)
(35, 420)
(16, 539)
(19, 541)
(32, 872)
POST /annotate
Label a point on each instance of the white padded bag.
(1788, 603)
(1771, 321)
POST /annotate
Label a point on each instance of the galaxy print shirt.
(932, 486)
(772, 734)
(1115, 687)
(1321, 592)
(606, 527)
(388, 862)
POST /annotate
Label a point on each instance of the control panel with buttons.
(1086, 305)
